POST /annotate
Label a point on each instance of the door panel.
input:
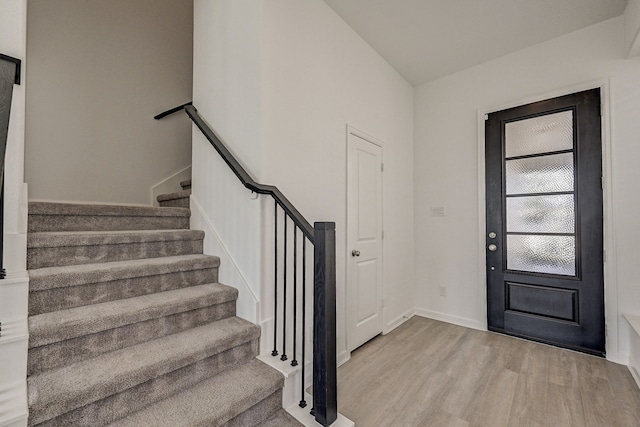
(364, 265)
(544, 222)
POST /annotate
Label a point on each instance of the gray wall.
(98, 72)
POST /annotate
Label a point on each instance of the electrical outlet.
(443, 291)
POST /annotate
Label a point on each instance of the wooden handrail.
(322, 236)
(245, 178)
(171, 111)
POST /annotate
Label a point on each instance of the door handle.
(355, 253)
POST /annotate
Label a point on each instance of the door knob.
(355, 253)
(492, 247)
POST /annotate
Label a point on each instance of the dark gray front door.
(544, 239)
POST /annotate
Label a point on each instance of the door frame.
(610, 284)
(347, 255)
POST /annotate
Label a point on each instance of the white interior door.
(364, 250)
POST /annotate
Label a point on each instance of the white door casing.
(364, 238)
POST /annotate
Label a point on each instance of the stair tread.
(79, 209)
(60, 390)
(75, 275)
(66, 324)
(213, 401)
(185, 183)
(172, 196)
(90, 238)
(280, 419)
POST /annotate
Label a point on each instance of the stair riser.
(93, 293)
(38, 257)
(66, 352)
(175, 203)
(116, 406)
(256, 414)
(38, 223)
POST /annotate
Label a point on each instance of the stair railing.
(322, 237)
(9, 75)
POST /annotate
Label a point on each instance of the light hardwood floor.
(430, 373)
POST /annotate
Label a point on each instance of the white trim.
(343, 357)
(356, 132)
(449, 318)
(610, 268)
(635, 374)
(399, 321)
(634, 346)
(241, 283)
(306, 419)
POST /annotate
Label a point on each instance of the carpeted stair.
(129, 326)
(179, 199)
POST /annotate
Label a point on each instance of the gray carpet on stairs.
(129, 327)
(177, 199)
(74, 217)
(57, 288)
(72, 248)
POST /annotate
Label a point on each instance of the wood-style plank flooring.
(430, 373)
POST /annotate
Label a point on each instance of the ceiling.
(427, 39)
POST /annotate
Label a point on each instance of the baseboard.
(16, 421)
(343, 357)
(449, 318)
(634, 346)
(304, 416)
(634, 374)
(399, 321)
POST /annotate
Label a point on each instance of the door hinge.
(382, 235)
(601, 110)
(486, 117)
(602, 182)
(604, 255)
(381, 167)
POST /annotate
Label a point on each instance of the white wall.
(99, 73)
(280, 80)
(226, 91)
(14, 289)
(318, 77)
(446, 169)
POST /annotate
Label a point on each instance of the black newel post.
(325, 402)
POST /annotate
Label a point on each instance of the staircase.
(130, 327)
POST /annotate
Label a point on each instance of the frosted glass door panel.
(552, 132)
(541, 214)
(542, 254)
(544, 174)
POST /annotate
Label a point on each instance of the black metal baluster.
(284, 296)
(294, 362)
(275, 280)
(303, 403)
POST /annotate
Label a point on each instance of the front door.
(364, 216)
(544, 240)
